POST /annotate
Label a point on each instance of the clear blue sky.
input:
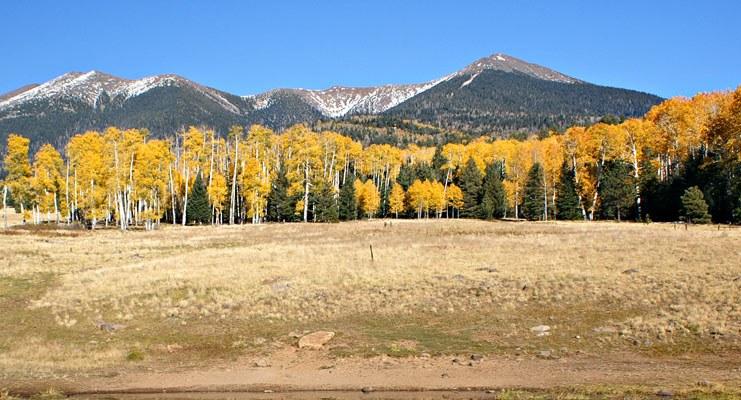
(244, 47)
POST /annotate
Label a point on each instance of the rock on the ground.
(541, 330)
(545, 354)
(367, 389)
(315, 340)
(665, 393)
(261, 363)
(631, 271)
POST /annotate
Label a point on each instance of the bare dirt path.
(295, 370)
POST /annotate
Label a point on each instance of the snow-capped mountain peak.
(88, 88)
(506, 63)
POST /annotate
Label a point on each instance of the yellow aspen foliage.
(419, 197)
(396, 199)
(48, 181)
(437, 199)
(18, 167)
(367, 197)
(151, 176)
(90, 164)
(217, 192)
(454, 196)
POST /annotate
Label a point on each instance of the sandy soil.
(291, 369)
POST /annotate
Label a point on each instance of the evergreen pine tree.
(348, 207)
(424, 172)
(533, 205)
(694, 207)
(326, 204)
(471, 180)
(199, 211)
(494, 199)
(438, 161)
(383, 210)
(616, 190)
(280, 207)
(567, 200)
(406, 176)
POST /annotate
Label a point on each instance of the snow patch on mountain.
(468, 82)
(89, 87)
(503, 62)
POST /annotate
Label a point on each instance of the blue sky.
(244, 47)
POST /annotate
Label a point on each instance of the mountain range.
(494, 95)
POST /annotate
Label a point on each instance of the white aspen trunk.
(185, 196)
(23, 214)
(172, 194)
(76, 203)
(233, 197)
(545, 197)
(306, 191)
(92, 190)
(634, 151)
(5, 206)
(56, 209)
(66, 195)
(578, 195)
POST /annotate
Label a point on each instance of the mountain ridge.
(488, 95)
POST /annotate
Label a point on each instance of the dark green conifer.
(533, 201)
(567, 199)
(616, 190)
(694, 207)
(438, 162)
(471, 181)
(494, 198)
(348, 207)
(326, 204)
(280, 206)
(199, 211)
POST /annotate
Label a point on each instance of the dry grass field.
(192, 297)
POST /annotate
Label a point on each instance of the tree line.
(681, 160)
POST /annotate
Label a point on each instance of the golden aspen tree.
(90, 162)
(217, 192)
(725, 128)
(419, 196)
(638, 135)
(367, 197)
(437, 199)
(151, 176)
(371, 199)
(454, 197)
(122, 145)
(193, 157)
(235, 135)
(47, 183)
(18, 168)
(396, 199)
(257, 167)
(551, 158)
(303, 162)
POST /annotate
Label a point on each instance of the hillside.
(498, 94)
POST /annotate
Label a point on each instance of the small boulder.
(476, 357)
(367, 389)
(545, 354)
(665, 393)
(541, 330)
(315, 340)
(261, 363)
(630, 271)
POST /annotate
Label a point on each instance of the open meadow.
(90, 309)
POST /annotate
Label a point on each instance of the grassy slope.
(196, 296)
